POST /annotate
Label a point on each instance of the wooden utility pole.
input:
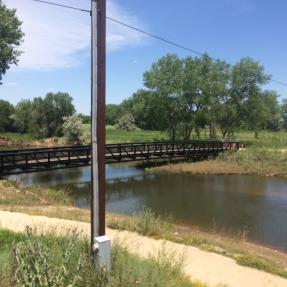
(100, 243)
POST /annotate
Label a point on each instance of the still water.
(225, 203)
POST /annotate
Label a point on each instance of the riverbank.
(212, 269)
(49, 258)
(59, 202)
(250, 161)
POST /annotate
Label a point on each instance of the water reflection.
(233, 203)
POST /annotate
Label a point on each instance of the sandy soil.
(213, 269)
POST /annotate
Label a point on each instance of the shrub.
(73, 129)
(127, 122)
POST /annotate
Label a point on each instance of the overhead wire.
(146, 33)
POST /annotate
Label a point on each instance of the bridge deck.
(31, 160)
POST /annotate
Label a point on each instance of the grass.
(266, 139)
(114, 135)
(273, 140)
(12, 195)
(259, 263)
(263, 156)
(17, 136)
(46, 260)
(146, 223)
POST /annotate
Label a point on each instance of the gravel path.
(211, 268)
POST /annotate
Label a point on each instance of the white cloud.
(60, 38)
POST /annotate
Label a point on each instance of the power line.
(149, 34)
(63, 6)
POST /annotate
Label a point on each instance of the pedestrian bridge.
(42, 159)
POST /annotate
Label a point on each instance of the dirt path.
(213, 269)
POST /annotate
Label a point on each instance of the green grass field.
(272, 140)
(17, 136)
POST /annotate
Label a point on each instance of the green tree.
(147, 109)
(164, 79)
(73, 129)
(38, 124)
(57, 106)
(284, 113)
(261, 109)
(22, 116)
(11, 37)
(86, 119)
(6, 112)
(112, 114)
(241, 93)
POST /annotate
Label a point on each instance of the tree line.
(187, 95)
(42, 117)
(183, 96)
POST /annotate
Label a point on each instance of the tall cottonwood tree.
(11, 37)
(165, 80)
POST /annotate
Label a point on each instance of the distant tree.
(11, 37)
(127, 122)
(86, 119)
(38, 124)
(112, 114)
(284, 114)
(57, 106)
(164, 79)
(22, 116)
(147, 109)
(6, 112)
(242, 90)
(274, 121)
(73, 129)
(261, 108)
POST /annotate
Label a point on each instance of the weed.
(259, 263)
(46, 260)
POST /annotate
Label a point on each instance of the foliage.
(73, 129)
(85, 119)
(146, 223)
(112, 114)
(259, 263)
(195, 92)
(284, 114)
(149, 224)
(47, 260)
(22, 116)
(10, 38)
(127, 122)
(147, 110)
(43, 117)
(34, 267)
(165, 80)
(6, 112)
(12, 195)
(57, 106)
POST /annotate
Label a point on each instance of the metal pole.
(100, 243)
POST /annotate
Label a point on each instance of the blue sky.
(56, 47)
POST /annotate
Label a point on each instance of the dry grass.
(252, 161)
(202, 167)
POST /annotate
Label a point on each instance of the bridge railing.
(42, 158)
